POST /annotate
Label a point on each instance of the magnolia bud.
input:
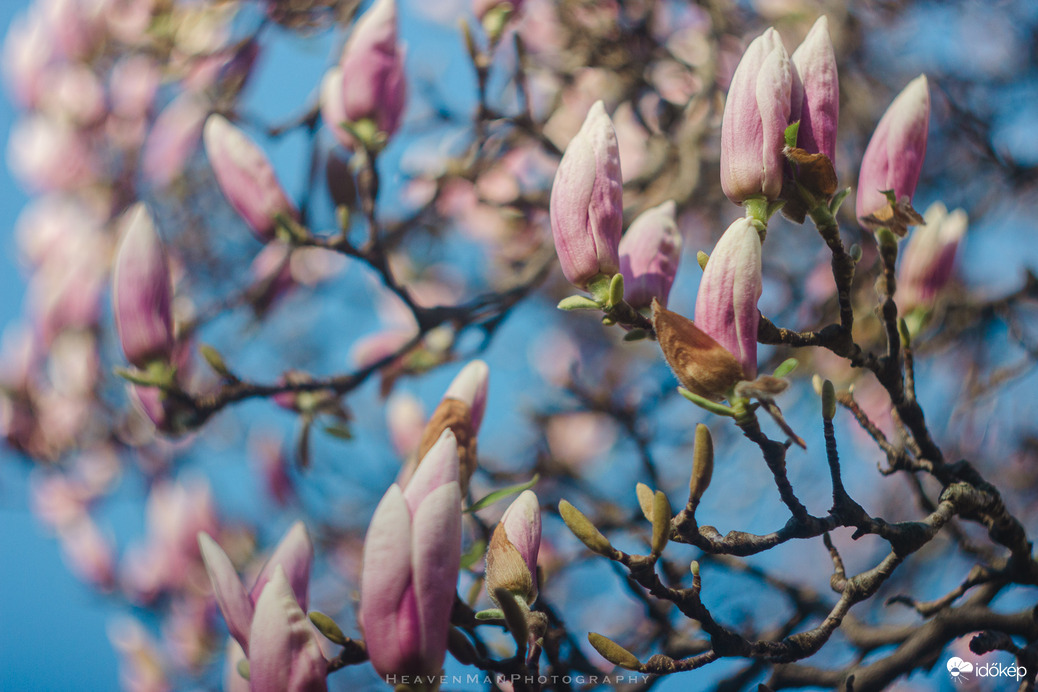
(649, 256)
(586, 206)
(141, 291)
(613, 652)
(756, 114)
(894, 156)
(512, 556)
(246, 177)
(583, 529)
(373, 84)
(726, 305)
(816, 91)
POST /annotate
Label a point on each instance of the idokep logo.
(960, 670)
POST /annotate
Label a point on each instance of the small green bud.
(702, 258)
(583, 529)
(636, 335)
(855, 253)
(661, 516)
(702, 464)
(460, 647)
(645, 499)
(326, 626)
(791, 134)
(616, 290)
(906, 335)
(828, 400)
(243, 668)
(215, 360)
(578, 303)
(613, 652)
(787, 366)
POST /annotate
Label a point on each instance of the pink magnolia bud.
(755, 118)
(894, 156)
(409, 578)
(286, 656)
(649, 255)
(373, 84)
(246, 177)
(929, 256)
(333, 110)
(512, 556)
(816, 91)
(292, 558)
(726, 305)
(141, 291)
(586, 206)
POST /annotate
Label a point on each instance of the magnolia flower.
(246, 177)
(411, 556)
(649, 255)
(893, 159)
(141, 291)
(753, 127)
(512, 555)
(929, 256)
(586, 205)
(285, 655)
(373, 84)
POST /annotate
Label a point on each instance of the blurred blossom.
(28, 49)
(405, 418)
(73, 363)
(333, 108)
(173, 139)
(202, 29)
(576, 439)
(47, 154)
(142, 292)
(756, 114)
(18, 357)
(128, 20)
(58, 500)
(48, 219)
(554, 355)
(632, 139)
(271, 275)
(373, 80)
(368, 350)
(312, 265)
(133, 83)
(247, 178)
(928, 258)
(141, 665)
(72, 93)
(587, 202)
(649, 255)
(186, 634)
(269, 455)
(88, 552)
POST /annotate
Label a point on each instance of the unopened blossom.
(816, 91)
(717, 351)
(141, 291)
(293, 557)
(753, 127)
(894, 156)
(726, 305)
(373, 83)
(284, 653)
(412, 553)
(461, 412)
(246, 177)
(649, 255)
(512, 554)
(929, 256)
(586, 206)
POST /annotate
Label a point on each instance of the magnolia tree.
(237, 319)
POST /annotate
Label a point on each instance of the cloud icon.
(956, 666)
